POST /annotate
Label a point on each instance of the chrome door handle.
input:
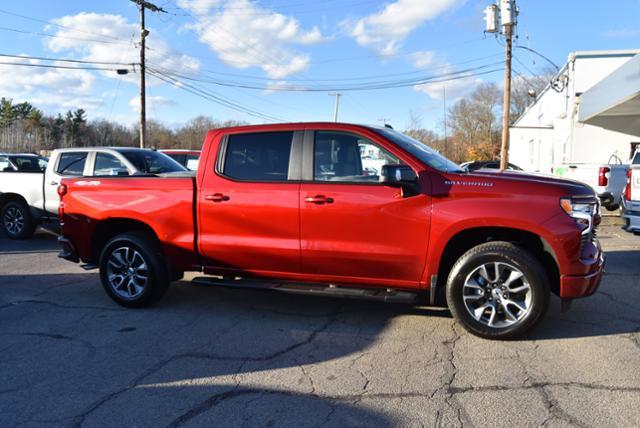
(318, 199)
(54, 183)
(217, 197)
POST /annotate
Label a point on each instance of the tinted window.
(151, 162)
(636, 159)
(107, 164)
(419, 150)
(72, 163)
(258, 157)
(341, 156)
(180, 158)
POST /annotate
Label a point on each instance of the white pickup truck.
(631, 197)
(29, 196)
(608, 180)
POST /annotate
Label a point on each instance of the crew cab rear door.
(354, 229)
(248, 205)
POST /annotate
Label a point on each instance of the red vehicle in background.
(291, 207)
(187, 158)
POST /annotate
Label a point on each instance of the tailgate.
(635, 183)
(585, 173)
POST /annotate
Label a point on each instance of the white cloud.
(256, 37)
(386, 29)
(454, 89)
(153, 102)
(48, 87)
(119, 35)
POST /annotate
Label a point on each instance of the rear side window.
(258, 157)
(72, 163)
(107, 164)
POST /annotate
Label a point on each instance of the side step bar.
(328, 290)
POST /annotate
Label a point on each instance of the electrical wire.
(540, 55)
(36, 33)
(41, 58)
(23, 64)
(211, 97)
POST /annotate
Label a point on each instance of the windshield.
(150, 162)
(419, 150)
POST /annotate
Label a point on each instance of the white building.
(553, 131)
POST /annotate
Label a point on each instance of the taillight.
(62, 190)
(603, 176)
(627, 188)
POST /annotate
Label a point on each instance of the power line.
(41, 58)
(24, 64)
(58, 25)
(387, 84)
(37, 33)
(210, 96)
(540, 55)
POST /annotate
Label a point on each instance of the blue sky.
(287, 44)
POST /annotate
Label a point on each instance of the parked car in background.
(607, 179)
(22, 162)
(631, 197)
(187, 158)
(495, 164)
(29, 185)
(294, 206)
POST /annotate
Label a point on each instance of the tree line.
(25, 128)
(472, 130)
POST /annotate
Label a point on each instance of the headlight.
(581, 212)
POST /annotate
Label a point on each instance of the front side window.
(27, 163)
(152, 162)
(107, 164)
(259, 156)
(340, 156)
(72, 163)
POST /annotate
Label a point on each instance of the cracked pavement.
(207, 356)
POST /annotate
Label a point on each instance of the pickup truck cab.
(29, 193)
(291, 207)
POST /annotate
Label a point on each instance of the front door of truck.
(248, 205)
(352, 228)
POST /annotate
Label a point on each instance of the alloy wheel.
(13, 220)
(127, 272)
(497, 294)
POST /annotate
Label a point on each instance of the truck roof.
(299, 125)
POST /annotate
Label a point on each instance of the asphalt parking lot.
(208, 356)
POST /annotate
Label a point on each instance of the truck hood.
(572, 187)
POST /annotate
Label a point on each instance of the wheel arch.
(107, 229)
(465, 239)
(11, 197)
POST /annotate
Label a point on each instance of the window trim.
(295, 157)
(309, 153)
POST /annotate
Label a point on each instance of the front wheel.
(498, 291)
(133, 271)
(17, 221)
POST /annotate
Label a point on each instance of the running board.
(328, 290)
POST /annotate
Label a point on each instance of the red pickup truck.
(339, 209)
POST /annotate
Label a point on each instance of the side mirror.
(397, 175)
(400, 176)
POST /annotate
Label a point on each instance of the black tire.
(17, 221)
(612, 207)
(512, 259)
(149, 255)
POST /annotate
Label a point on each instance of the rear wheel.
(498, 291)
(17, 221)
(133, 270)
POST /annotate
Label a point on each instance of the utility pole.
(335, 112)
(504, 15)
(142, 5)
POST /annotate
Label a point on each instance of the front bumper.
(573, 286)
(68, 251)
